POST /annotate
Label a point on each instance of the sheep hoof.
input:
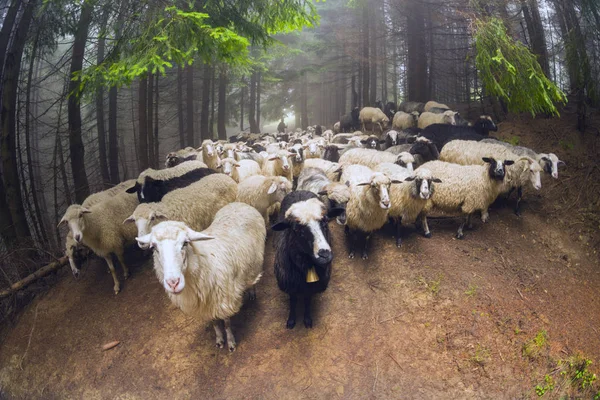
(117, 289)
(398, 243)
(365, 256)
(291, 323)
(351, 255)
(307, 322)
(460, 236)
(517, 213)
(231, 347)
(76, 274)
(126, 275)
(427, 235)
(220, 343)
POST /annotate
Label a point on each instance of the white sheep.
(100, 227)
(467, 152)
(206, 273)
(334, 194)
(372, 158)
(428, 118)
(331, 169)
(404, 120)
(434, 104)
(367, 209)
(373, 116)
(195, 205)
(409, 198)
(336, 127)
(314, 148)
(263, 192)
(209, 154)
(239, 170)
(279, 165)
(328, 136)
(465, 189)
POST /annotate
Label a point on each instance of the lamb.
(410, 197)
(372, 158)
(209, 154)
(205, 274)
(239, 170)
(332, 170)
(404, 120)
(440, 134)
(279, 165)
(100, 228)
(351, 121)
(468, 153)
(465, 189)
(549, 162)
(194, 205)
(152, 184)
(422, 150)
(434, 104)
(428, 118)
(331, 153)
(263, 192)
(177, 157)
(303, 253)
(333, 194)
(373, 116)
(367, 209)
(411, 106)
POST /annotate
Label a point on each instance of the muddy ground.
(438, 318)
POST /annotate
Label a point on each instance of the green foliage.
(510, 71)
(572, 378)
(533, 348)
(548, 385)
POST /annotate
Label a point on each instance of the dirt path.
(439, 318)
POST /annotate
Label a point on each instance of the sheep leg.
(519, 197)
(230, 338)
(219, 332)
(291, 322)
(123, 265)
(426, 231)
(351, 242)
(485, 216)
(459, 234)
(469, 222)
(252, 293)
(111, 267)
(399, 232)
(365, 256)
(307, 317)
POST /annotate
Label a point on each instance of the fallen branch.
(40, 273)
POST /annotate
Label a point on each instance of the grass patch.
(534, 348)
(472, 290)
(571, 378)
(433, 286)
(481, 356)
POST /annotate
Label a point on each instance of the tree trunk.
(395, 74)
(150, 123)
(113, 136)
(373, 52)
(354, 93)
(156, 143)
(7, 28)
(28, 145)
(417, 58)
(430, 87)
(252, 105)
(365, 57)
(180, 106)
(8, 119)
(304, 102)
(205, 108)
(189, 77)
(213, 96)
(258, 76)
(100, 107)
(143, 118)
(242, 104)
(535, 29)
(135, 136)
(221, 126)
(76, 148)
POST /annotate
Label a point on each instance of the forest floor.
(513, 305)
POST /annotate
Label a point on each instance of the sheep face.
(144, 219)
(426, 149)
(174, 159)
(279, 188)
(379, 187)
(307, 221)
(220, 148)
(170, 241)
(298, 151)
(406, 160)
(423, 184)
(74, 218)
(550, 164)
(282, 158)
(487, 124)
(208, 148)
(534, 173)
(392, 138)
(338, 195)
(370, 143)
(314, 148)
(227, 165)
(450, 117)
(497, 170)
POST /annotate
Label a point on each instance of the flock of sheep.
(205, 216)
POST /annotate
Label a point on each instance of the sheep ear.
(129, 220)
(193, 236)
(487, 159)
(410, 179)
(436, 180)
(335, 212)
(545, 159)
(145, 240)
(348, 183)
(280, 226)
(272, 188)
(395, 182)
(363, 141)
(159, 215)
(561, 163)
(322, 193)
(411, 139)
(382, 141)
(272, 158)
(62, 221)
(84, 211)
(237, 165)
(509, 162)
(133, 189)
(364, 184)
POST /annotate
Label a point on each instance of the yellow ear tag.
(311, 276)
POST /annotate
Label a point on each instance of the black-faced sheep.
(177, 157)
(303, 252)
(331, 153)
(206, 274)
(422, 150)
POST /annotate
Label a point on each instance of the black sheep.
(318, 130)
(332, 153)
(153, 190)
(350, 122)
(440, 134)
(390, 109)
(303, 244)
(173, 159)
